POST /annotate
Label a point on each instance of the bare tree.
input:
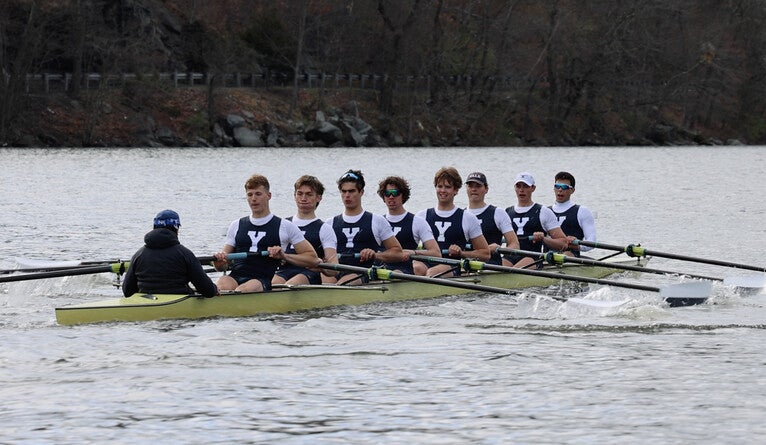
(22, 47)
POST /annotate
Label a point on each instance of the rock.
(27, 140)
(272, 134)
(351, 137)
(232, 121)
(361, 126)
(245, 137)
(734, 142)
(324, 132)
(166, 137)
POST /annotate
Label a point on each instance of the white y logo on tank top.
(442, 227)
(255, 238)
(397, 229)
(520, 223)
(350, 235)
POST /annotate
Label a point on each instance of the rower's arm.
(304, 256)
(393, 252)
(511, 240)
(556, 240)
(480, 249)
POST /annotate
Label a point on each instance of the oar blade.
(686, 294)
(597, 304)
(752, 283)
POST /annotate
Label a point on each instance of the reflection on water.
(478, 369)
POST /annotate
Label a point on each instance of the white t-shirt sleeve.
(421, 230)
(231, 234)
(327, 237)
(471, 226)
(381, 228)
(588, 224)
(503, 221)
(548, 219)
(289, 234)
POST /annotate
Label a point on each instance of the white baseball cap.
(526, 178)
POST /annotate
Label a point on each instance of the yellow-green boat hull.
(144, 307)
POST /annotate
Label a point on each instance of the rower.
(535, 225)
(577, 221)
(364, 238)
(453, 228)
(411, 231)
(495, 223)
(261, 231)
(308, 192)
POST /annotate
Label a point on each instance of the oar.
(44, 269)
(682, 294)
(30, 265)
(635, 250)
(379, 273)
(117, 268)
(557, 258)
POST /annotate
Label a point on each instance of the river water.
(481, 369)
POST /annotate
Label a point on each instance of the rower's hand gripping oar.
(233, 256)
(683, 294)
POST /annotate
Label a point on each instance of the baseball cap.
(477, 177)
(526, 178)
(167, 218)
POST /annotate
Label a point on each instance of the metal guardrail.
(57, 82)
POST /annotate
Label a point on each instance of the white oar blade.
(686, 294)
(30, 263)
(747, 282)
(598, 304)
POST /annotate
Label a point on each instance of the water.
(480, 369)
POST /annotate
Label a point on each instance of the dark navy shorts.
(241, 280)
(288, 272)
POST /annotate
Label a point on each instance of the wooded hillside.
(558, 72)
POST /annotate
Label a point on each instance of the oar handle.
(234, 256)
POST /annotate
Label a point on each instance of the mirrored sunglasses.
(391, 193)
(558, 186)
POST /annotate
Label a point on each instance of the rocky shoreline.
(247, 118)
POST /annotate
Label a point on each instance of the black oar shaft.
(558, 258)
(634, 250)
(115, 268)
(478, 265)
(385, 274)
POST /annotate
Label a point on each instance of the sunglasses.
(350, 175)
(391, 193)
(558, 186)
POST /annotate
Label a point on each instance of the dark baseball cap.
(477, 177)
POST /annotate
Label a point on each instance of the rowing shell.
(144, 307)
